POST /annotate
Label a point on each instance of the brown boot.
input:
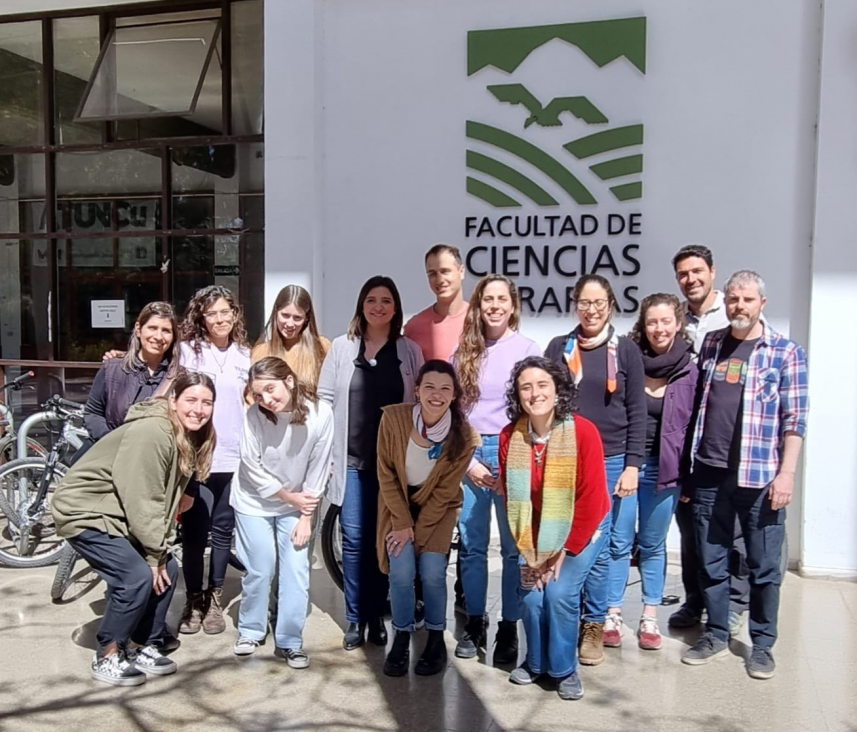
(591, 644)
(213, 621)
(191, 621)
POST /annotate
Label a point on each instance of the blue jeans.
(474, 527)
(260, 542)
(365, 584)
(598, 580)
(717, 501)
(403, 571)
(552, 615)
(656, 509)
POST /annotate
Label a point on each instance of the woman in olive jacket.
(423, 452)
(117, 508)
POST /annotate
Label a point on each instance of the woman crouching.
(423, 452)
(552, 468)
(285, 463)
(117, 508)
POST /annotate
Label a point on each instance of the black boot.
(473, 638)
(399, 656)
(433, 660)
(377, 632)
(354, 636)
(506, 643)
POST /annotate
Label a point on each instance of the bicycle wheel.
(331, 545)
(65, 568)
(8, 449)
(38, 545)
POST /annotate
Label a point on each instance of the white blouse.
(418, 464)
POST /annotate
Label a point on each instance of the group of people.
(584, 453)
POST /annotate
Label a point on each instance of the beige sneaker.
(192, 614)
(213, 621)
(591, 644)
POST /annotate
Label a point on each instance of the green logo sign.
(506, 49)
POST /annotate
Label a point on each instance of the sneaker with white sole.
(295, 657)
(116, 670)
(649, 635)
(613, 624)
(151, 660)
(245, 646)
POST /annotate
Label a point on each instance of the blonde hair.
(195, 448)
(308, 353)
(471, 346)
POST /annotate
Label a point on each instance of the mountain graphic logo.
(611, 152)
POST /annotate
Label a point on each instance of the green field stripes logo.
(506, 49)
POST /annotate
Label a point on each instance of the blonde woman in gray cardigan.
(284, 466)
(367, 369)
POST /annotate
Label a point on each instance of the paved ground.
(45, 651)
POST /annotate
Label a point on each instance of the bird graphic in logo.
(548, 116)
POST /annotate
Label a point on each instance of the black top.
(621, 416)
(654, 413)
(372, 388)
(720, 444)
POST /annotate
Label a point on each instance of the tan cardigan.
(439, 498)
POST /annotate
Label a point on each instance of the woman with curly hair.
(558, 509)
(489, 348)
(292, 335)
(214, 342)
(670, 387)
(423, 451)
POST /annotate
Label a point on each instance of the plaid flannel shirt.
(775, 401)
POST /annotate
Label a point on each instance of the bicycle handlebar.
(58, 401)
(16, 383)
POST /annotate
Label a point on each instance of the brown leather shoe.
(591, 644)
(192, 614)
(213, 621)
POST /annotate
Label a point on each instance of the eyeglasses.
(225, 314)
(599, 305)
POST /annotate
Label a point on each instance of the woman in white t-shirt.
(214, 342)
(285, 462)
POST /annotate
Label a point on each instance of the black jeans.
(210, 511)
(739, 585)
(718, 501)
(133, 610)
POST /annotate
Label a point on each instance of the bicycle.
(9, 440)
(28, 536)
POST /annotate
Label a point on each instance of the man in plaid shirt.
(751, 419)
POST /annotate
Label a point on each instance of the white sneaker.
(116, 670)
(150, 660)
(245, 646)
(613, 630)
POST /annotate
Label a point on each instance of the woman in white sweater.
(285, 463)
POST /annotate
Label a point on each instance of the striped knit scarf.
(558, 489)
(576, 341)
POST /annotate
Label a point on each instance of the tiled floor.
(45, 651)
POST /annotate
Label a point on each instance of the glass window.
(248, 80)
(21, 107)
(113, 173)
(128, 80)
(22, 193)
(76, 49)
(25, 300)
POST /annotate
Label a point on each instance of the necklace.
(221, 366)
(539, 453)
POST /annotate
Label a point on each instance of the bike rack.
(34, 419)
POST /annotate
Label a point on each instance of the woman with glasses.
(214, 342)
(608, 372)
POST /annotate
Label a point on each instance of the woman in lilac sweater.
(489, 348)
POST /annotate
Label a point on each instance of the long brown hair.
(456, 441)
(171, 355)
(357, 326)
(638, 332)
(471, 346)
(308, 353)
(195, 448)
(193, 327)
(272, 368)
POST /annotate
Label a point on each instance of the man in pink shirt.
(437, 328)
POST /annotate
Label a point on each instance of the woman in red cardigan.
(558, 508)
